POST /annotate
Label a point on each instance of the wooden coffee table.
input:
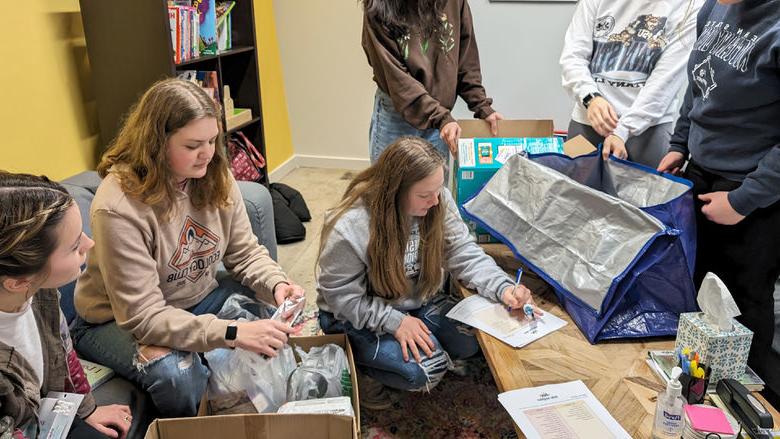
(616, 371)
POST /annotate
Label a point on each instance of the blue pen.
(517, 283)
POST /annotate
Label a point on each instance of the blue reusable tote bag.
(616, 240)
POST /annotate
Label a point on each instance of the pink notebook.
(708, 419)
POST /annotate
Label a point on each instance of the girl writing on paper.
(385, 254)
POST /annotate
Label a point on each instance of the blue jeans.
(175, 381)
(380, 356)
(387, 125)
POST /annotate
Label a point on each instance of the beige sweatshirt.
(144, 272)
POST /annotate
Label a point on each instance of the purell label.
(670, 417)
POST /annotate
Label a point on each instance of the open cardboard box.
(269, 425)
(470, 179)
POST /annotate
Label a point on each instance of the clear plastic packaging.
(323, 373)
(242, 381)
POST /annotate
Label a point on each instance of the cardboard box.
(725, 353)
(269, 425)
(480, 155)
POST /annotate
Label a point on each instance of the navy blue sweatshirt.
(730, 119)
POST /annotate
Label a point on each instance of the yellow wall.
(49, 120)
(278, 140)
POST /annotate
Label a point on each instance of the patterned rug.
(463, 406)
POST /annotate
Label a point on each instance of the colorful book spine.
(173, 21)
(195, 37)
(183, 34)
(208, 26)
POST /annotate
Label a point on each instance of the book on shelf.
(224, 25)
(97, 374)
(206, 79)
(184, 23)
(662, 362)
(208, 25)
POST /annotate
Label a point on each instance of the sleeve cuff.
(87, 407)
(501, 289)
(740, 203)
(484, 112)
(393, 321)
(215, 334)
(622, 132)
(678, 148)
(447, 119)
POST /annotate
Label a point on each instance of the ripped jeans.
(176, 381)
(380, 356)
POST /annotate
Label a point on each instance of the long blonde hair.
(140, 147)
(383, 189)
(31, 207)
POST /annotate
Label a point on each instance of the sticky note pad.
(708, 419)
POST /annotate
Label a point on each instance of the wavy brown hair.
(138, 154)
(382, 189)
(31, 207)
(402, 16)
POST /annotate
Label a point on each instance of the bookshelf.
(129, 48)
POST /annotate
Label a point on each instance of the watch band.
(231, 332)
(589, 97)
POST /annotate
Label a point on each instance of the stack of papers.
(493, 318)
(561, 411)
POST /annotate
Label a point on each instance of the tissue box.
(724, 352)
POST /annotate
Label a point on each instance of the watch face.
(230, 333)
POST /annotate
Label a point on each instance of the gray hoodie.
(342, 279)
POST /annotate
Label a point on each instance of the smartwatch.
(230, 334)
(589, 97)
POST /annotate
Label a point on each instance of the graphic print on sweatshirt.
(412, 253)
(726, 47)
(626, 57)
(196, 251)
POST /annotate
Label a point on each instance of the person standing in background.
(623, 64)
(424, 55)
(728, 131)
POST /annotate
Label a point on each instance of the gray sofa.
(118, 390)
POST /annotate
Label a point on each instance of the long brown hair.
(383, 189)
(31, 207)
(403, 16)
(140, 147)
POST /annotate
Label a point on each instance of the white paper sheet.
(493, 318)
(561, 411)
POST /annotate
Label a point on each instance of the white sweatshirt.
(632, 52)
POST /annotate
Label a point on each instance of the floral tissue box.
(726, 353)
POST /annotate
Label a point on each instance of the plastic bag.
(242, 381)
(323, 373)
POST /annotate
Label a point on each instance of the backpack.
(290, 212)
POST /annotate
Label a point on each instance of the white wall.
(328, 81)
(519, 46)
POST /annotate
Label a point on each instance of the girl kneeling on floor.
(42, 247)
(166, 214)
(385, 252)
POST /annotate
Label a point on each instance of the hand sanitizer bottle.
(669, 421)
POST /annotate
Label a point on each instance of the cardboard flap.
(265, 426)
(507, 128)
(578, 146)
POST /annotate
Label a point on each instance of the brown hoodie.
(145, 272)
(425, 77)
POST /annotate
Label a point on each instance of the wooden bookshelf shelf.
(203, 58)
(243, 125)
(129, 47)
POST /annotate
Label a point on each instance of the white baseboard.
(282, 170)
(317, 161)
(331, 162)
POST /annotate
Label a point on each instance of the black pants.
(746, 257)
(81, 430)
